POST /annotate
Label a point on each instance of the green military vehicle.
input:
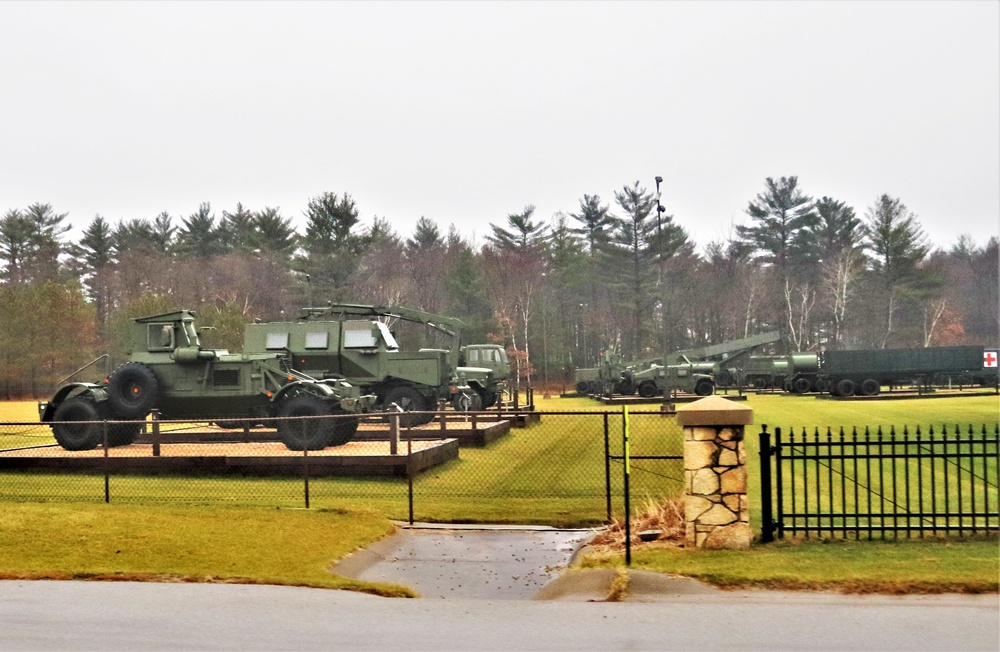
(658, 379)
(171, 372)
(348, 341)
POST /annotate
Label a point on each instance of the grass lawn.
(907, 566)
(550, 473)
(183, 544)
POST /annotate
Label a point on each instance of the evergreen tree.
(632, 264)
(596, 222)
(94, 260)
(274, 233)
(199, 237)
(237, 230)
(15, 245)
(426, 236)
(524, 233)
(332, 247)
(898, 245)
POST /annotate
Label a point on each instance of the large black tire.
(870, 387)
(344, 428)
(82, 436)
(583, 387)
(123, 434)
(410, 400)
(760, 383)
(298, 433)
(489, 399)
(822, 385)
(704, 388)
(845, 387)
(801, 385)
(648, 389)
(132, 391)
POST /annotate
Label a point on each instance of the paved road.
(135, 616)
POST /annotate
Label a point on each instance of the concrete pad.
(490, 564)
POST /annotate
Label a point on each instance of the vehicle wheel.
(132, 391)
(344, 428)
(759, 383)
(410, 400)
(845, 387)
(82, 436)
(123, 434)
(489, 399)
(822, 385)
(467, 401)
(582, 387)
(229, 425)
(297, 432)
(870, 387)
(647, 389)
(802, 385)
(704, 388)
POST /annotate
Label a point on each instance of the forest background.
(617, 275)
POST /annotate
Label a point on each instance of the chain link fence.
(553, 468)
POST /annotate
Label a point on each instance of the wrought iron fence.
(880, 483)
(555, 468)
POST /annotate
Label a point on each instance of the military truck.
(170, 371)
(865, 371)
(586, 380)
(662, 379)
(482, 367)
(346, 341)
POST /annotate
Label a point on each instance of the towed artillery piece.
(169, 371)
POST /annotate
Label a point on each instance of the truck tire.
(489, 399)
(132, 391)
(583, 387)
(410, 400)
(297, 433)
(648, 389)
(801, 385)
(704, 388)
(83, 436)
(344, 428)
(870, 387)
(123, 434)
(845, 387)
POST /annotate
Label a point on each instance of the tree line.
(617, 275)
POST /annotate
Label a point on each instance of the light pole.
(659, 245)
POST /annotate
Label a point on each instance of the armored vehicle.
(663, 379)
(345, 341)
(171, 372)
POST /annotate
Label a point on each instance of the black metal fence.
(555, 468)
(880, 483)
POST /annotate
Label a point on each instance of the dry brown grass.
(666, 516)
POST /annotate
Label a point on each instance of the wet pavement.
(468, 562)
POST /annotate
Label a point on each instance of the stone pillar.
(716, 512)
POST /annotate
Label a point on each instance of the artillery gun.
(170, 371)
(348, 341)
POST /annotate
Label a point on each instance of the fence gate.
(877, 483)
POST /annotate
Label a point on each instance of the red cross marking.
(990, 359)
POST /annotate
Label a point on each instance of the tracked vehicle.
(171, 372)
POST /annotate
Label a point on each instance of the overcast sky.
(464, 112)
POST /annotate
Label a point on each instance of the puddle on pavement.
(477, 564)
